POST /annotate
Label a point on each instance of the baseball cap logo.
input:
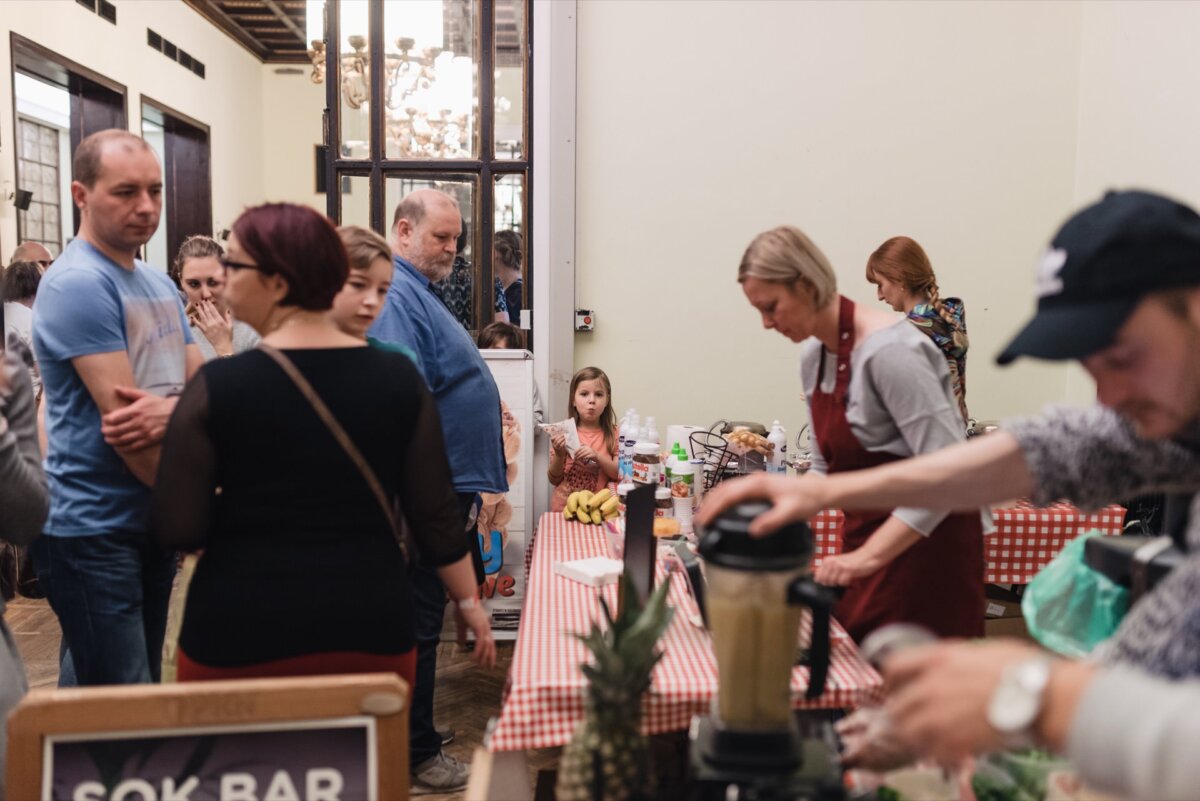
(1048, 280)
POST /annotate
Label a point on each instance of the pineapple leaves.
(624, 651)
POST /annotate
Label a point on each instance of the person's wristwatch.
(1017, 701)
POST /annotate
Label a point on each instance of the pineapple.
(609, 738)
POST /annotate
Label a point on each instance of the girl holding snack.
(594, 462)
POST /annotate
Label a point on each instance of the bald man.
(425, 232)
(32, 251)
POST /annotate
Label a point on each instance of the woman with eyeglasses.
(197, 271)
(302, 571)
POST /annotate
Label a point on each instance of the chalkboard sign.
(328, 738)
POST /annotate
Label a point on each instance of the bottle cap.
(646, 449)
(662, 492)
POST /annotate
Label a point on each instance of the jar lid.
(662, 492)
(626, 486)
(646, 449)
(727, 541)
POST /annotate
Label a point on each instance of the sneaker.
(440, 774)
(446, 735)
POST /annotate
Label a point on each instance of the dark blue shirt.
(467, 399)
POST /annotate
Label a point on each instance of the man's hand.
(791, 498)
(216, 326)
(939, 695)
(140, 425)
(842, 569)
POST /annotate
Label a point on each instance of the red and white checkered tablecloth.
(544, 699)
(1025, 540)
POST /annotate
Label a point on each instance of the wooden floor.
(467, 696)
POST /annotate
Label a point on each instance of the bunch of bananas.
(589, 507)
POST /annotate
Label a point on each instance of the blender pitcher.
(756, 590)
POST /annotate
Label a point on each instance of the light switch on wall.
(584, 320)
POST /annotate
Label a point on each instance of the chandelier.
(425, 115)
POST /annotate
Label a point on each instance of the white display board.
(506, 522)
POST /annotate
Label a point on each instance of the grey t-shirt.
(244, 338)
(899, 401)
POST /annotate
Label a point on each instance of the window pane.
(353, 80)
(509, 243)
(510, 79)
(461, 290)
(431, 63)
(355, 192)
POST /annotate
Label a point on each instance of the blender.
(752, 745)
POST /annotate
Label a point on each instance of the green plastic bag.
(1070, 608)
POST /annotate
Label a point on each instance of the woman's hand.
(216, 327)
(844, 568)
(472, 616)
(792, 499)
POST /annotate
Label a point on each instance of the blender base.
(787, 765)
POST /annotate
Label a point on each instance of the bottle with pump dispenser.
(627, 435)
(778, 438)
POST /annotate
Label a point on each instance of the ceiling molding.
(271, 30)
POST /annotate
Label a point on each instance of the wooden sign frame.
(143, 709)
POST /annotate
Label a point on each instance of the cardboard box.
(1002, 614)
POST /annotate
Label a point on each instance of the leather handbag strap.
(339, 433)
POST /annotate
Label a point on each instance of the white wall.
(291, 114)
(702, 124)
(229, 99)
(1139, 109)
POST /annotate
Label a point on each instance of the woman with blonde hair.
(904, 279)
(878, 391)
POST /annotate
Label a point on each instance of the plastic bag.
(1070, 608)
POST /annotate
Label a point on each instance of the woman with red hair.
(904, 279)
(286, 463)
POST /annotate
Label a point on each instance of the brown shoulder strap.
(339, 433)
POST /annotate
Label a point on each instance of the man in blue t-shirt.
(115, 351)
(425, 231)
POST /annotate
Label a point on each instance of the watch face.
(1012, 708)
(1015, 703)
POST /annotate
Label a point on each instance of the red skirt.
(337, 662)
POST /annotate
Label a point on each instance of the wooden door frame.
(20, 45)
(168, 111)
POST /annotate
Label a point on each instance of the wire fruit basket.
(714, 450)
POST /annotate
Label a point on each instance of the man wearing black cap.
(1119, 291)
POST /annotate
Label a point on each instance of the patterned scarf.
(950, 339)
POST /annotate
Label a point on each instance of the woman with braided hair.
(904, 278)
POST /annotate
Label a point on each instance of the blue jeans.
(110, 594)
(429, 602)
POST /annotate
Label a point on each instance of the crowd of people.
(305, 406)
(297, 405)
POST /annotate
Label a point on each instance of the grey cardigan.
(24, 498)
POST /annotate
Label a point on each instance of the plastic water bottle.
(627, 434)
(652, 431)
(652, 436)
(778, 438)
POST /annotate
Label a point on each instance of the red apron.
(938, 582)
